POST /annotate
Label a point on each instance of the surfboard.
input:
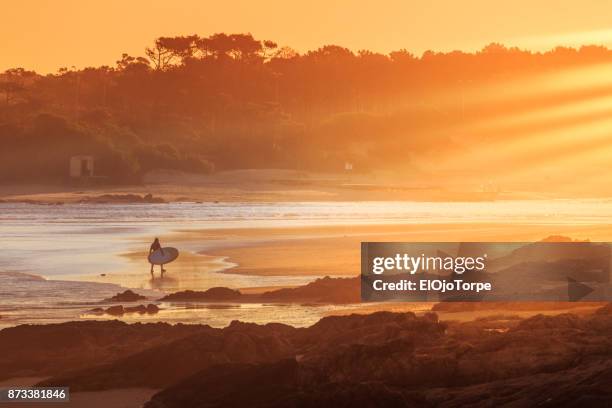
(169, 254)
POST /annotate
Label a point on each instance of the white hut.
(81, 166)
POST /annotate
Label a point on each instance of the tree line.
(230, 101)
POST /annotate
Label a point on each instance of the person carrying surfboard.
(154, 247)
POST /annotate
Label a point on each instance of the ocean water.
(45, 247)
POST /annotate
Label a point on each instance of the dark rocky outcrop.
(219, 294)
(278, 385)
(405, 361)
(122, 198)
(251, 343)
(282, 384)
(380, 359)
(324, 290)
(275, 384)
(43, 350)
(120, 310)
(126, 296)
(168, 363)
(508, 306)
(587, 385)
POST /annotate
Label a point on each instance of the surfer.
(154, 247)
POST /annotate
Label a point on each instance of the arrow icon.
(577, 290)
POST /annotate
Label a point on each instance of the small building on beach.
(81, 166)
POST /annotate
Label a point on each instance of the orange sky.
(47, 34)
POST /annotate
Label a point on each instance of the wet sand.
(312, 251)
(255, 258)
(262, 256)
(335, 250)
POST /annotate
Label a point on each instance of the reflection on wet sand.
(281, 252)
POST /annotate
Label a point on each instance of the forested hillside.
(232, 101)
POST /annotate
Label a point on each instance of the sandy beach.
(255, 260)
(228, 205)
(335, 250)
(315, 251)
(225, 245)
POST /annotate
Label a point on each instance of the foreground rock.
(278, 384)
(122, 198)
(453, 307)
(380, 359)
(120, 310)
(46, 350)
(553, 361)
(323, 291)
(126, 296)
(168, 363)
(220, 294)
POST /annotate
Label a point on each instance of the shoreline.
(254, 258)
(146, 195)
(273, 185)
(256, 185)
(308, 251)
(335, 250)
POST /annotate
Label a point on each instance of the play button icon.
(577, 290)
